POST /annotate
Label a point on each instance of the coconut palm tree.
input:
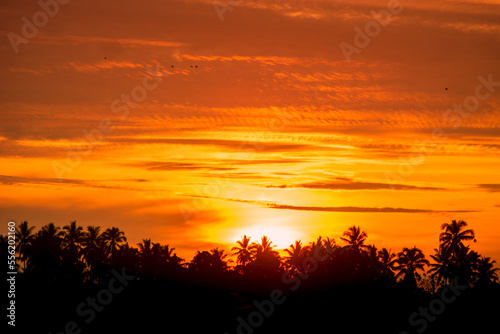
(94, 248)
(355, 238)
(45, 252)
(296, 255)
(50, 236)
(168, 254)
(387, 260)
(50, 231)
(113, 238)
(213, 261)
(266, 261)
(486, 273)
(219, 262)
(126, 257)
(265, 247)
(409, 261)
(329, 245)
(73, 235)
(201, 262)
(93, 238)
(24, 237)
(243, 252)
(442, 269)
(320, 248)
(454, 235)
(145, 248)
(150, 257)
(465, 264)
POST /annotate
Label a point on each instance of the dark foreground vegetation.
(73, 280)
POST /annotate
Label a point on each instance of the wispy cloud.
(349, 184)
(257, 146)
(103, 65)
(272, 205)
(170, 165)
(110, 41)
(16, 180)
(212, 164)
(490, 187)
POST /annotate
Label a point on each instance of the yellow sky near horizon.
(172, 124)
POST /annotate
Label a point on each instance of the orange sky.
(162, 119)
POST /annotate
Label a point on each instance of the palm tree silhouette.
(113, 237)
(486, 273)
(94, 251)
(146, 256)
(409, 261)
(44, 258)
(201, 262)
(355, 238)
(24, 237)
(93, 239)
(453, 236)
(145, 248)
(296, 255)
(168, 255)
(209, 262)
(73, 235)
(454, 259)
(155, 258)
(242, 251)
(50, 231)
(126, 257)
(387, 258)
(265, 246)
(442, 269)
(219, 262)
(266, 261)
(465, 264)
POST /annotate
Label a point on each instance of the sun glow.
(281, 236)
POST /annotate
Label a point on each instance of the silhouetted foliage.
(81, 259)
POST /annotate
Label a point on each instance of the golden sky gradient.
(162, 119)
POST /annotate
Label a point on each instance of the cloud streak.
(490, 187)
(351, 209)
(348, 184)
(17, 180)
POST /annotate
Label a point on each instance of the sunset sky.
(193, 125)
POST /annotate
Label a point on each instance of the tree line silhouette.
(61, 267)
(86, 256)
